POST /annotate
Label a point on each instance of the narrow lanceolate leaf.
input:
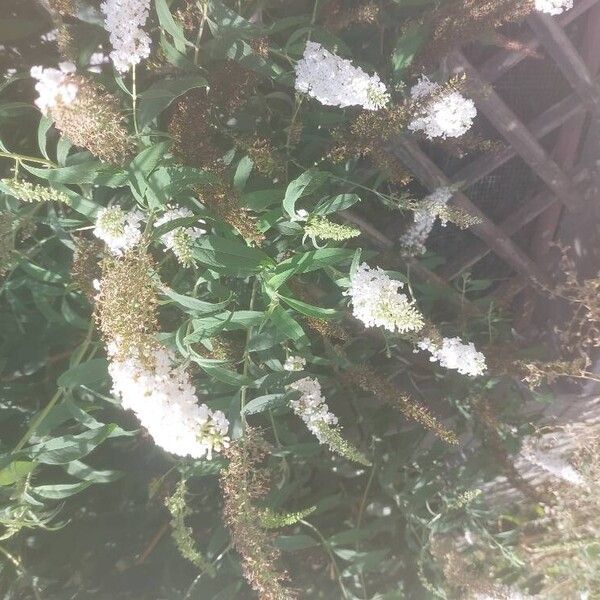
(84, 472)
(93, 371)
(287, 325)
(230, 256)
(263, 403)
(169, 25)
(60, 490)
(335, 204)
(308, 309)
(62, 450)
(313, 260)
(194, 305)
(306, 184)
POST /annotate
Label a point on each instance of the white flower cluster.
(450, 115)
(453, 354)
(335, 81)
(553, 7)
(294, 363)
(54, 86)
(124, 21)
(414, 238)
(377, 302)
(311, 406)
(118, 229)
(165, 402)
(180, 239)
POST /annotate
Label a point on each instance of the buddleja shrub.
(185, 287)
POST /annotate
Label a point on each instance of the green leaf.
(308, 309)
(170, 26)
(261, 199)
(306, 262)
(62, 150)
(93, 371)
(41, 273)
(263, 403)
(84, 172)
(287, 324)
(64, 449)
(222, 374)
(230, 255)
(84, 472)
(60, 490)
(160, 95)
(194, 305)
(184, 178)
(306, 184)
(15, 470)
(336, 203)
(227, 321)
(143, 164)
(407, 46)
(242, 173)
(43, 127)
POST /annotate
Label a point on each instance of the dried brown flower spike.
(243, 483)
(93, 121)
(126, 304)
(222, 199)
(63, 7)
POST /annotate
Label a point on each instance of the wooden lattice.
(563, 181)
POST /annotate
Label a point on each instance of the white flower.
(553, 7)
(450, 115)
(124, 21)
(180, 239)
(118, 229)
(294, 363)
(377, 302)
(54, 86)
(453, 354)
(311, 407)
(334, 81)
(97, 59)
(414, 238)
(50, 36)
(165, 402)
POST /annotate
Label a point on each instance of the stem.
(313, 19)
(24, 157)
(57, 395)
(361, 511)
(363, 501)
(244, 390)
(134, 99)
(21, 570)
(331, 556)
(38, 419)
(197, 579)
(200, 31)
